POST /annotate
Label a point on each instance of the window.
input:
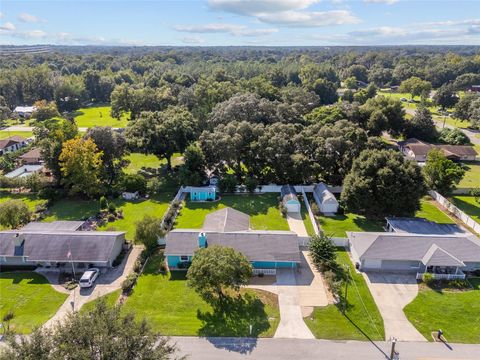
(184, 258)
(415, 266)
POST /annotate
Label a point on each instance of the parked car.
(89, 277)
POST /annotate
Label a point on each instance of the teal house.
(231, 228)
(203, 193)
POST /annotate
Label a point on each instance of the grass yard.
(5, 134)
(469, 205)
(263, 211)
(429, 210)
(329, 323)
(455, 312)
(110, 299)
(98, 116)
(472, 175)
(31, 297)
(30, 200)
(338, 225)
(72, 209)
(172, 308)
(306, 221)
(139, 161)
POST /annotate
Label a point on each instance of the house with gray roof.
(327, 202)
(443, 255)
(231, 228)
(58, 244)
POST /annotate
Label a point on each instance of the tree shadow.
(240, 316)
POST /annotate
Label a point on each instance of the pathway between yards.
(296, 224)
(105, 284)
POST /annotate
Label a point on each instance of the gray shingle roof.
(226, 220)
(324, 194)
(288, 192)
(423, 226)
(403, 246)
(85, 246)
(255, 245)
(436, 256)
(53, 226)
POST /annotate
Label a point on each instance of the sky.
(240, 22)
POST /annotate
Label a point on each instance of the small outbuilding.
(290, 199)
(326, 201)
(203, 193)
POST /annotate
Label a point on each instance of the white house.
(12, 143)
(326, 201)
(290, 199)
(25, 111)
(25, 171)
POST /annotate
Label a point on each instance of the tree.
(416, 87)
(148, 231)
(464, 106)
(216, 268)
(45, 110)
(133, 182)
(445, 96)
(441, 174)
(227, 184)
(326, 90)
(113, 146)
(382, 183)
(192, 171)
(14, 213)
(453, 136)
(81, 163)
(36, 182)
(421, 125)
(322, 251)
(162, 132)
(5, 111)
(102, 333)
(393, 112)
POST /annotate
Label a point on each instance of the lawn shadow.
(368, 224)
(29, 277)
(471, 209)
(236, 316)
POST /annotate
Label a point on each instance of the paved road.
(275, 349)
(392, 292)
(30, 128)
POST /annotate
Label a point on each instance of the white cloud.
(236, 30)
(192, 40)
(34, 34)
(454, 22)
(254, 7)
(29, 18)
(310, 19)
(1, 15)
(8, 26)
(388, 2)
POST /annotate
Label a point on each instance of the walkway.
(296, 224)
(275, 349)
(105, 284)
(392, 292)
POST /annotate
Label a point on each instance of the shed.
(326, 201)
(203, 193)
(290, 199)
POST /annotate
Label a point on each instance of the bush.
(428, 278)
(315, 209)
(251, 184)
(112, 207)
(476, 194)
(459, 284)
(134, 182)
(227, 184)
(111, 217)
(323, 252)
(103, 203)
(282, 209)
(129, 282)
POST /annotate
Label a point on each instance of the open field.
(172, 308)
(31, 297)
(455, 312)
(139, 161)
(329, 323)
(263, 211)
(98, 116)
(472, 175)
(469, 205)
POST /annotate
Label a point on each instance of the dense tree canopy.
(441, 174)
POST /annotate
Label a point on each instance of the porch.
(443, 273)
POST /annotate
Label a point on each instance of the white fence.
(310, 213)
(340, 242)
(274, 188)
(456, 211)
(443, 276)
(265, 271)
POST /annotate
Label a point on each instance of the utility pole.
(393, 353)
(345, 302)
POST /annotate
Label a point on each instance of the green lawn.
(138, 161)
(133, 211)
(455, 312)
(31, 297)
(98, 116)
(472, 175)
(306, 221)
(172, 308)
(469, 205)
(5, 134)
(429, 210)
(30, 200)
(263, 211)
(110, 299)
(329, 323)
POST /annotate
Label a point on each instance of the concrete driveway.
(296, 224)
(392, 292)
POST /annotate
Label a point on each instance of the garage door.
(372, 264)
(293, 208)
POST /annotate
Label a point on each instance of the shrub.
(134, 182)
(111, 217)
(323, 252)
(314, 208)
(476, 194)
(227, 184)
(112, 207)
(137, 266)
(282, 209)
(129, 282)
(428, 278)
(251, 184)
(103, 203)
(459, 284)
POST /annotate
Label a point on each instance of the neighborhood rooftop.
(53, 226)
(422, 226)
(226, 220)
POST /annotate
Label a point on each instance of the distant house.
(266, 250)
(11, 144)
(25, 171)
(417, 150)
(24, 111)
(290, 199)
(202, 193)
(475, 88)
(58, 244)
(32, 157)
(326, 201)
(130, 195)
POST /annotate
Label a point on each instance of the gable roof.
(422, 226)
(53, 226)
(11, 140)
(436, 256)
(226, 220)
(85, 246)
(209, 188)
(325, 195)
(255, 245)
(421, 148)
(405, 246)
(34, 153)
(288, 192)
